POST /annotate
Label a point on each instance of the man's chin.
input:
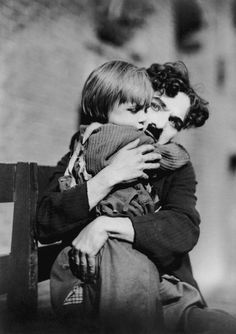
(164, 140)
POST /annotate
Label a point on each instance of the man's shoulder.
(182, 173)
(183, 177)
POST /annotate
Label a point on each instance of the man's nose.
(163, 121)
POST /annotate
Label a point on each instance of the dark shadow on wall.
(117, 21)
(188, 20)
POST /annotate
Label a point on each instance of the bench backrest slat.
(7, 173)
(22, 288)
(23, 184)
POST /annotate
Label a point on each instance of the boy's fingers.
(136, 206)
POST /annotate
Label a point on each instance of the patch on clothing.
(75, 296)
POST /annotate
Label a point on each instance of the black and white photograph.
(117, 166)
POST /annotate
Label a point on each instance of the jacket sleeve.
(174, 230)
(61, 215)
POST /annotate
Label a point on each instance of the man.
(165, 236)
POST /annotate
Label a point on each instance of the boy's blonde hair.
(112, 82)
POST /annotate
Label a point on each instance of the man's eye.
(172, 123)
(176, 123)
(156, 106)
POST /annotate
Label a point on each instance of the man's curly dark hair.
(172, 77)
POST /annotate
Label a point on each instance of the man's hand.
(131, 162)
(128, 164)
(86, 246)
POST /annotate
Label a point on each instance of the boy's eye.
(133, 110)
(136, 108)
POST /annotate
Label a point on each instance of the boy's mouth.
(153, 131)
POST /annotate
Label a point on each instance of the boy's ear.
(89, 130)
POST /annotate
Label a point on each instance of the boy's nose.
(142, 116)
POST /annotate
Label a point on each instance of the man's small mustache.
(153, 130)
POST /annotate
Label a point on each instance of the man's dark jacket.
(166, 236)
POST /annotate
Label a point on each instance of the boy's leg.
(129, 300)
(73, 301)
(128, 291)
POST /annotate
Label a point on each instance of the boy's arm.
(173, 155)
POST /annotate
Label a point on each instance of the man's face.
(167, 115)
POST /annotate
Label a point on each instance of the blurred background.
(47, 50)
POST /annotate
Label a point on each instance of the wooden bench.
(27, 264)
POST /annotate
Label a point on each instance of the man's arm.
(62, 215)
(58, 212)
(164, 236)
(174, 230)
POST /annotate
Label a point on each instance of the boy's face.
(128, 114)
(167, 115)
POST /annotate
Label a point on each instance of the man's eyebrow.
(179, 123)
(163, 105)
(176, 118)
